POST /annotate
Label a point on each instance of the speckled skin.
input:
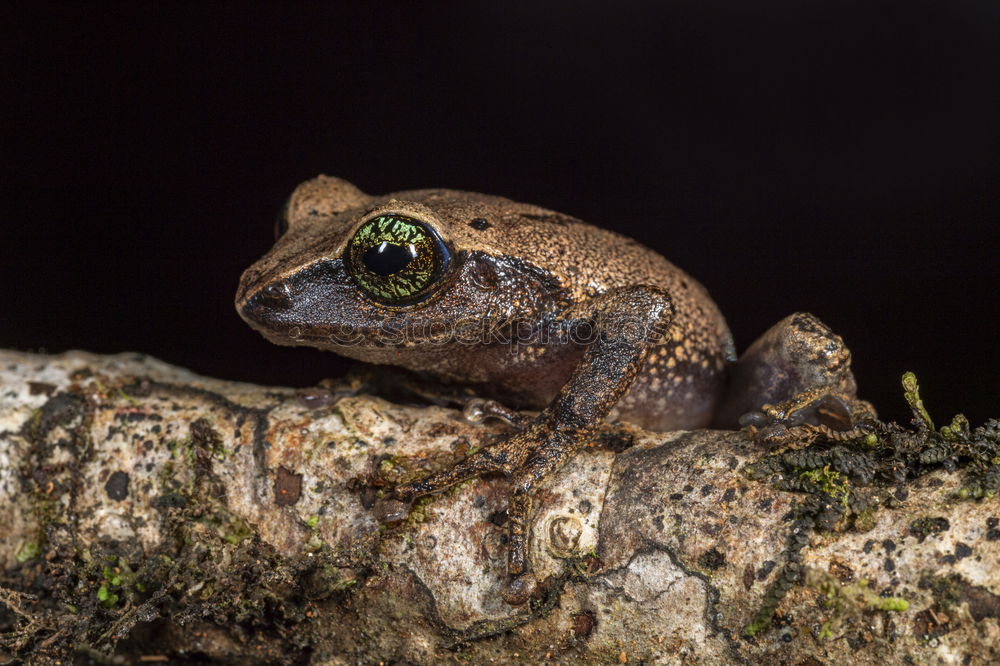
(607, 329)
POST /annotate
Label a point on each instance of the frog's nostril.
(276, 295)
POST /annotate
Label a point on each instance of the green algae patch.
(858, 595)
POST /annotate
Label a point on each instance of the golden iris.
(395, 259)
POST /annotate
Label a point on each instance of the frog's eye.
(396, 259)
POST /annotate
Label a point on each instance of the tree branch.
(147, 511)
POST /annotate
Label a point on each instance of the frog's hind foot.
(809, 415)
(818, 406)
(797, 373)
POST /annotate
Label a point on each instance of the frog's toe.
(478, 410)
(832, 410)
(391, 510)
(519, 589)
(754, 418)
(836, 411)
(816, 407)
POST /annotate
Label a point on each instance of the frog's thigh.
(799, 354)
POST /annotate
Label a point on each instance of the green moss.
(860, 590)
(181, 449)
(28, 551)
(35, 422)
(106, 596)
(759, 623)
(848, 600)
(911, 391)
(116, 578)
(106, 593)
(957, 430)
(894, 604)
(826, 631)
(585, 565)
(230, 527)
(829, 481)
(418, 512)
(864, 520)
(343, 584)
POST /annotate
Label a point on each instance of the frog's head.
(428, 268)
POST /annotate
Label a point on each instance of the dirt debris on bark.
(149, 512)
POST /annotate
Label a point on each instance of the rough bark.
(147, 511)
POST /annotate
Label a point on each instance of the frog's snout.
(298, 307)
(262, 306)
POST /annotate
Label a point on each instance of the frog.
(559, 327)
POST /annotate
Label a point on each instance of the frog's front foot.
(519, 587)
(524, 459)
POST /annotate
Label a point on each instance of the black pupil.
(386, 258)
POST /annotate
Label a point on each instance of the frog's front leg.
(619, 327)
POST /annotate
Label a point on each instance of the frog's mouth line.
(440, 334)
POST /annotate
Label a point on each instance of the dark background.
(837, 157)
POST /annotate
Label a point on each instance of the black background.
(837, 157)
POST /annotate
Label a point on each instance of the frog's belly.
(670, 392)
(524, 376)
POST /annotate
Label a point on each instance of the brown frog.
(537, 309)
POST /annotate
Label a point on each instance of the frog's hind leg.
(798, 372)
